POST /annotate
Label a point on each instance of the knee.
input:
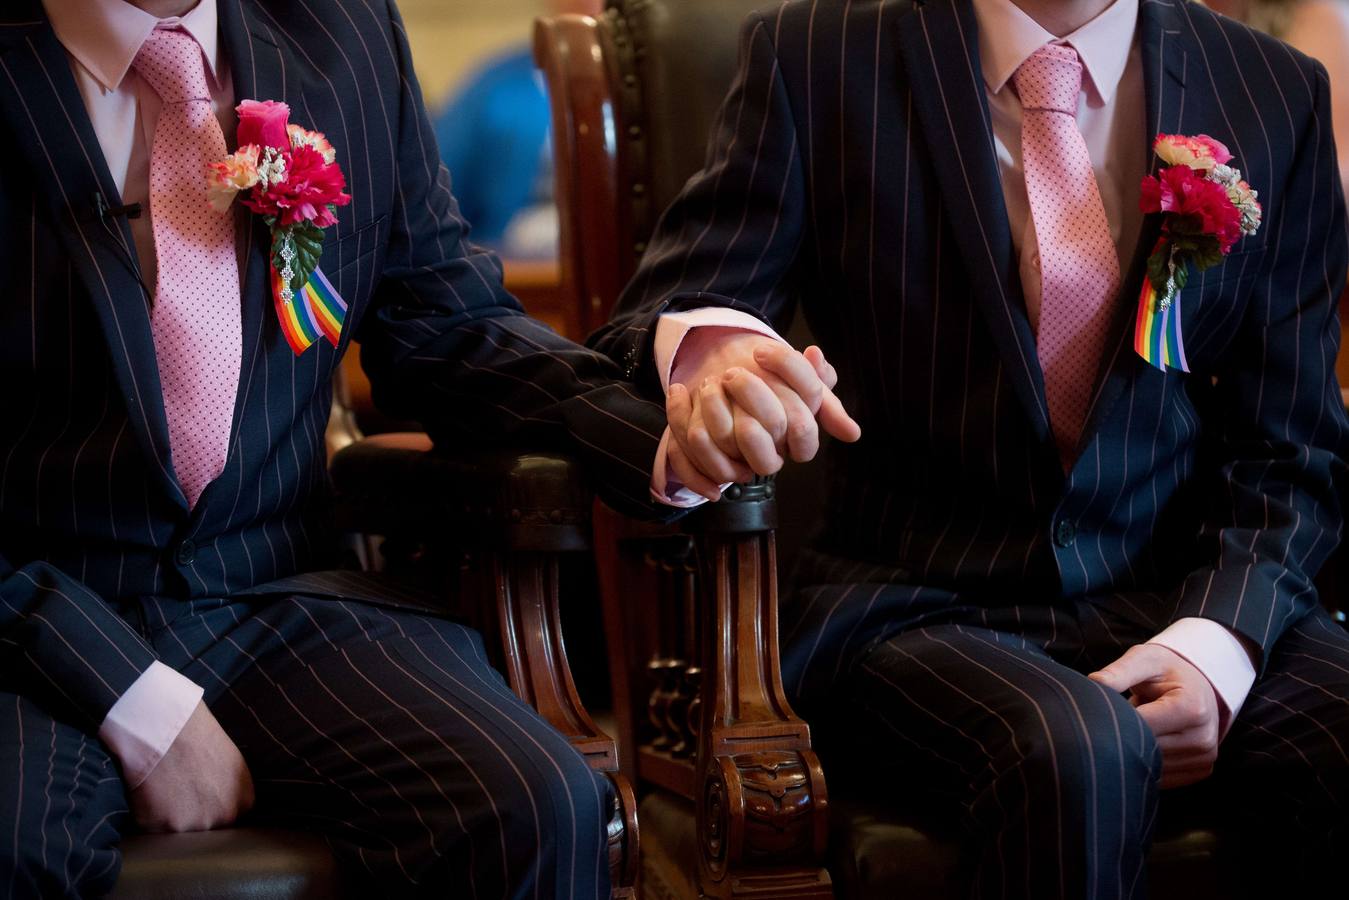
(561, 795)
(1091, 750)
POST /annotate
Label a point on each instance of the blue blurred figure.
(494, 138)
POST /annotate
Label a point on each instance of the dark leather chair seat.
(876, 855)
(230, 864)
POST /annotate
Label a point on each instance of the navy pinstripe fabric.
(95, 535)
(852, 174)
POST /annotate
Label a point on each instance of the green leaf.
(1157, 268)
(306, 239)
(308, 248)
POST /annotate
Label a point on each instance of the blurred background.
(476, 68)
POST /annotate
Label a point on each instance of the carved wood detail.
(762, 802)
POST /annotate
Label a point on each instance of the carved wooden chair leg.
(762, 805)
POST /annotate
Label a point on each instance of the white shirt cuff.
(1217, 652)
(672, 328)
(146, 719)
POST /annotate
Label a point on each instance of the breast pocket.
(1214, 303)
(352, 263)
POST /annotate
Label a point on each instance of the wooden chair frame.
(727, 737)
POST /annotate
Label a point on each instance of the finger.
(803, 435)
(836, 421)
(1169, 715)
(689, 476)
(756, 444)
(710, 460)
(717, 417)
(1189, 744)
(756, 399)
(681, 454)
(795, 371)
(1135, 666)
(678, 410)
(828, 374)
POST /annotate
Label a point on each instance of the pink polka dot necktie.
(196, 318)
(1079, 268)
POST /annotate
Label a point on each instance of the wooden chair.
(733, 799)
(704, 725)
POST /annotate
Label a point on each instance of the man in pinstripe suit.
(169, 649)
(989, 584)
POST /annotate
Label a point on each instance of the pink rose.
(263, 123)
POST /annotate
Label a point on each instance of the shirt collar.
(106, 35)
(1007, 38)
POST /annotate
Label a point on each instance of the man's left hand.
(1177, 702)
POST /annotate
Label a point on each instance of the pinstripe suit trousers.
(384, 730)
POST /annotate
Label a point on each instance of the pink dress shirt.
(102, 37)
(1111, 114)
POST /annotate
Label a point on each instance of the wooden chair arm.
(762, 807)
(499, 522)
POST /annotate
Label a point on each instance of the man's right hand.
(746, 405)
(201, 783)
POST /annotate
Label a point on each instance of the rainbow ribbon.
(1157, 331)
(316, 310)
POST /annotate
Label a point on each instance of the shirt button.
(1065, 533)
(187, 551)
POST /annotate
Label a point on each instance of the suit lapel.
(1168, 59)
(940, 49)
(66, 164)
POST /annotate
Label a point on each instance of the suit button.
(187, 551)
(1065, 533)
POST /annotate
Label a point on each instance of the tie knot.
(171, 62)
(1050, 80)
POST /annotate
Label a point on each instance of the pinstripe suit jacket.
(853, 173)
(91, 516)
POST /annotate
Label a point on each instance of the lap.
(389, 731)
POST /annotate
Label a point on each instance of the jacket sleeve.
(66, 642)
(1276, 508)
(733, 236)
(445, 344)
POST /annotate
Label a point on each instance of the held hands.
(1177, 702)
(749, 403)
(201, 783)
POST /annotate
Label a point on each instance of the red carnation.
(309, 188)
(1184, 192)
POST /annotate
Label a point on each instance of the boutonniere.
(1206, 208)
(290, 177)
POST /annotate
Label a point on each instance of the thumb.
(1122, 674)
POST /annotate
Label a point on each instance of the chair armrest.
(506, 499)
(762, 807)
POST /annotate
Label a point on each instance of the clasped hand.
(750, 403)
